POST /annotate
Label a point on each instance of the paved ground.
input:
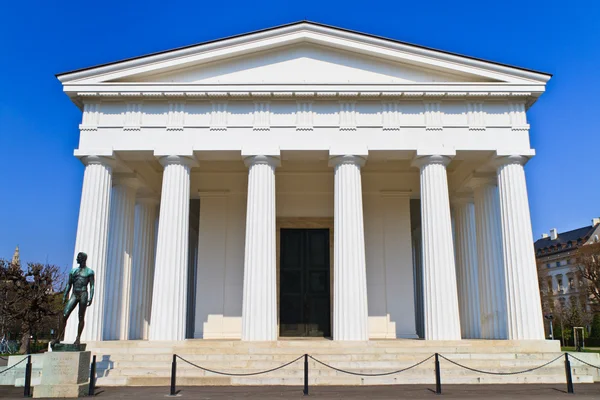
(513, 392)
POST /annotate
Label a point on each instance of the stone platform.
(64, 374)
(143, 363)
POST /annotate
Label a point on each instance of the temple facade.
(307, 180)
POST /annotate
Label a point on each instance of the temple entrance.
(304, 283)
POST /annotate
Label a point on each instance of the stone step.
(283, 358)
(142, 363)
(268, 364)
(296, 352)
(335, 380)
(446, 370)
(538, 345)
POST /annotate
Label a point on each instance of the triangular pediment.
(305, 64)
(303, 53)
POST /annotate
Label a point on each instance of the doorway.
(304, 301)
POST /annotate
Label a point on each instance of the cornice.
(342, 91)
(102, 93)
(303, 32)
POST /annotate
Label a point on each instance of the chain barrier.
(437, 356)
(584, 362)
(363, 374)
(239, 374)
(12, 366)
(501, 373)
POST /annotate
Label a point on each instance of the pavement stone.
(512, 392)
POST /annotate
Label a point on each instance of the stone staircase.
(142, 363)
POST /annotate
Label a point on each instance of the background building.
(561, 285)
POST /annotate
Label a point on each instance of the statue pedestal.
(64, 374)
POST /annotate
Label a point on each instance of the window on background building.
(558, 263)
(571, 283)
(549, 282)
(559, 281)
(548, 265)
(569, 261)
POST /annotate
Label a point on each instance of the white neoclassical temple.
(307, 180)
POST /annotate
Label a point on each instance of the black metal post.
(173, 375)
(438, 380)
(27, 390)
(305, 375)
(92, 387)
(568, 373)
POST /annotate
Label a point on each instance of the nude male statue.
(79, 278)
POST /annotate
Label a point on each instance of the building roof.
(305, 22)
(561, 243)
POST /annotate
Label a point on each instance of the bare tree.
(30, 296)
(588, 261)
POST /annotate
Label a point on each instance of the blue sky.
(41, 180)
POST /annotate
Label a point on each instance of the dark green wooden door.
(304, 283)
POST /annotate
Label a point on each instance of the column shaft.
(466, 269)
(142, 272)
(118, 269)
(92, 234)
(492, 281)
(350, 312)
(439, 275)
(523, 297)
(259, 309)
(169, 302)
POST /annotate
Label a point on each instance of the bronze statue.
(79, 278)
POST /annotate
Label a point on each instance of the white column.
(466, 267)
(492, 282)
(523, 297)
(92, 234)
(259, 309)
(439, 275)
(142, 272)
(169, 297)
(117, 285)
(350, 312)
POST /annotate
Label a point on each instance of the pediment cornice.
(294, 34)
(88, 93)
